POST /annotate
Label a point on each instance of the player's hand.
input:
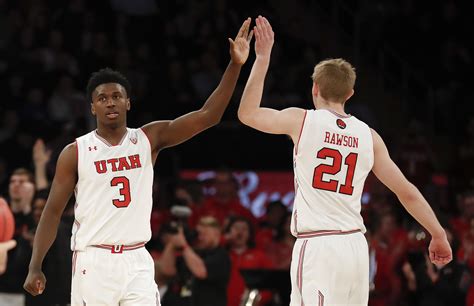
(35, 282)
(440, 251)
(264, 37)
(4, 248)
(240, 46)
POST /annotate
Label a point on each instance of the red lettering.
(356, 142)
(339, 139)
(123, 164)
(113, 162)
(100, 166)
(326, 139)
(135, 161)
(333, 139)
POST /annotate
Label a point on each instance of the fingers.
(39, 286)
(263, 28)
(244, 29)
(249, 38)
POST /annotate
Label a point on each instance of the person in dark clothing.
(202, 271)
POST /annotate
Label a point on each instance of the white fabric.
(101, 278)
(330, 271)
(316, 209)
(99, 215)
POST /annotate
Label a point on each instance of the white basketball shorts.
(330, 268)
(113, 276)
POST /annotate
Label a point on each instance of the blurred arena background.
(413, 62)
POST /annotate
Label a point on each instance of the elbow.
(201, 275)
(200, 272)
(243, 117)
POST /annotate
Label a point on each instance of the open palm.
(240, 46)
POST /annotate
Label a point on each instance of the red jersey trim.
(108, 143)
(117, 249)
(301, 132)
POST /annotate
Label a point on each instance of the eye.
(102, 99)
(115, 97)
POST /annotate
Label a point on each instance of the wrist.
(438, 234)
(235, 64)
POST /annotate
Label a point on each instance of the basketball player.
(111, 171)
(333, 154)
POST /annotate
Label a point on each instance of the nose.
(110, 102)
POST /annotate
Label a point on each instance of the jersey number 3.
(124, 191)
(332, 185)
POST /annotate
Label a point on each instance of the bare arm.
(168, 133)
(41, 158)
(194, 263)
(411, 198)
(166, 264)
(62, 187)
(287, 121)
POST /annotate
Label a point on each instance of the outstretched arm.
(287, 121)
(164, 134)
(61, 189)
(411, 198)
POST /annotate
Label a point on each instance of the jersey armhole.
(301, 132)
(77, 156)
(149, 143)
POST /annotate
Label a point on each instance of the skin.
(289, 121)
(4, 248)
(110, 104)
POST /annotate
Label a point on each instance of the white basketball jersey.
(113, 191)
(332, 159)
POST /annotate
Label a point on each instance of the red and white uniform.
(332, 159)
(112, 222)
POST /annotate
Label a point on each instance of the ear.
(128, 104)
(350, 94)
(315, 90)
(93, 109)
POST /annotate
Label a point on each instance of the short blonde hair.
(335, 78)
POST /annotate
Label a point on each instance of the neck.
(112, 134)
(333, 106)
(17, 207)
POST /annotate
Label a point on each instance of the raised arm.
(41, 157)
(61, 189)
(413, 201)
(287, 121)
(168, 133)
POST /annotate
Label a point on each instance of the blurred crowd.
(173, 52)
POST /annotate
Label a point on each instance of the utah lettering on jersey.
(118, 164)
(341, 140)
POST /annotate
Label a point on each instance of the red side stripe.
(301, 131)
(320, 298)
(299, 273)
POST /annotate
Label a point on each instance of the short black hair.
(104, 76)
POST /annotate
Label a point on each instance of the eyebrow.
(113, 93)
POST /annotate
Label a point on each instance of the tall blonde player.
(111, 171)
(333, 154)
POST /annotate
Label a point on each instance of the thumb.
(8, 245)
(231, 41)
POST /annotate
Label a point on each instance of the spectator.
(204, 270)
(225, 203)
(243, 255)
(271, 223)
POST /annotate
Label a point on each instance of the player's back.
(332, 159)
